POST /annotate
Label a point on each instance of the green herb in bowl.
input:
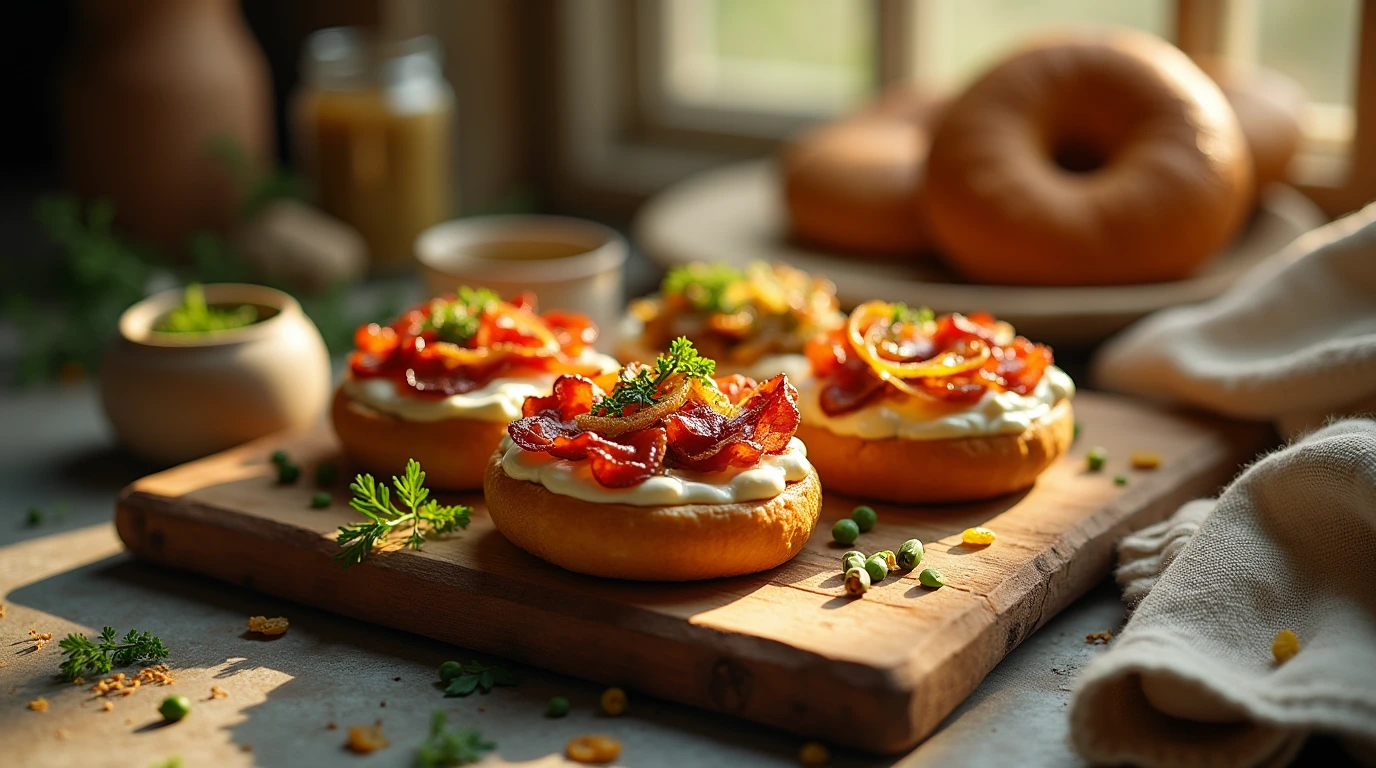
(195, 316)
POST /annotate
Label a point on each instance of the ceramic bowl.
(176, 397)
(570, 264)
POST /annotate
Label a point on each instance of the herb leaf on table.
(442, 748)
(83, 655)
(425, 516)
(479, 677)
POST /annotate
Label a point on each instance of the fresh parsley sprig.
(477, 676)
(706, 286)
(642, 389)
(902, 313)
(425, 516)
(442, 749)
(457, 320)
(83, 655)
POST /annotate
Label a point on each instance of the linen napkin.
(1293, 342)
(1191, 680)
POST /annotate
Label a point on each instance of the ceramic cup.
(570, 264)
(176, 397)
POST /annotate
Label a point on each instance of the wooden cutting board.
(785, 647)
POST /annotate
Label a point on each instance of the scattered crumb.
(398, 679)
(265, 626)
(123, 685)
(365, 739)
(1145, 459)
(1285, 646)
(593, 748)
(246, 748)
(39, 704)
(128, 721)
(383, 704)
(4, 663)
(63, 733)
(39, 640)
(330, 726)
(1099, 638)
(482, 707)
(216, 692)
(814, 753)
(2, 610)
(108, 706)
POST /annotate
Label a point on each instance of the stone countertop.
(68, 573)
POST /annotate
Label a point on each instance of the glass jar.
(373, 123)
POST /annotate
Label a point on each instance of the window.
(704, 81)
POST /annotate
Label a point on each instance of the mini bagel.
(1098, 157)
(1269, 106)
(652, 543)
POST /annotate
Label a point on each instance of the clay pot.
(149, 85)
(176, 397)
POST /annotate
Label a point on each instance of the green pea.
(857, 581)
(910, 554)
(877, 568)
(320, 500)
(852, 559)
(930, 577)
(845, 531)
(450, 670)
(326, 473)
(279, 457)
(864, 517)
(1120, 480)
(35, 516)
(559, 706)
(1095, 459)
(287, 473)
(890, 559)
(174, 708)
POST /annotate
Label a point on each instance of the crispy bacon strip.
(696, 436)
(702, 439)
(1014, 364)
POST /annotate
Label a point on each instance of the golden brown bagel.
(850, 184)
(1099, 157)
(925, 471)
(453, 452)
(1268, 105)
(663, 543)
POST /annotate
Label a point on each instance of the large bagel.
(663, 543)
(924, 471)
(1099, 157)
(1268, 105)
(453, 452)
(851, 185)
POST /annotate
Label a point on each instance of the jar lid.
(351, 57)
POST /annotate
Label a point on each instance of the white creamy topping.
(911, 418)
(765, 480)
(497, 400)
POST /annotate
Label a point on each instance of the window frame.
(622, 138)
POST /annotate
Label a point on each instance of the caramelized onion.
(611, 426)
(865, 345)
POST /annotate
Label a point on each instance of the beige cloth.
(1294, 342)
(1191, 681)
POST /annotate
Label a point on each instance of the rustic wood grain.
(784, 647)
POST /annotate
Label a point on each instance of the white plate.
(735, 214)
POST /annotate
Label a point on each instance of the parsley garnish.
(195, 316)
(477, 676)
(704, 285)
(86, 656)
(458, 319)
(373, 500)
(902, 313)
(643, 388)
(442, 748)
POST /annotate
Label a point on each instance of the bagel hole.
(1078, 157)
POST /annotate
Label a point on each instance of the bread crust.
(659, 543)
(452, 452)
(926, 471)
